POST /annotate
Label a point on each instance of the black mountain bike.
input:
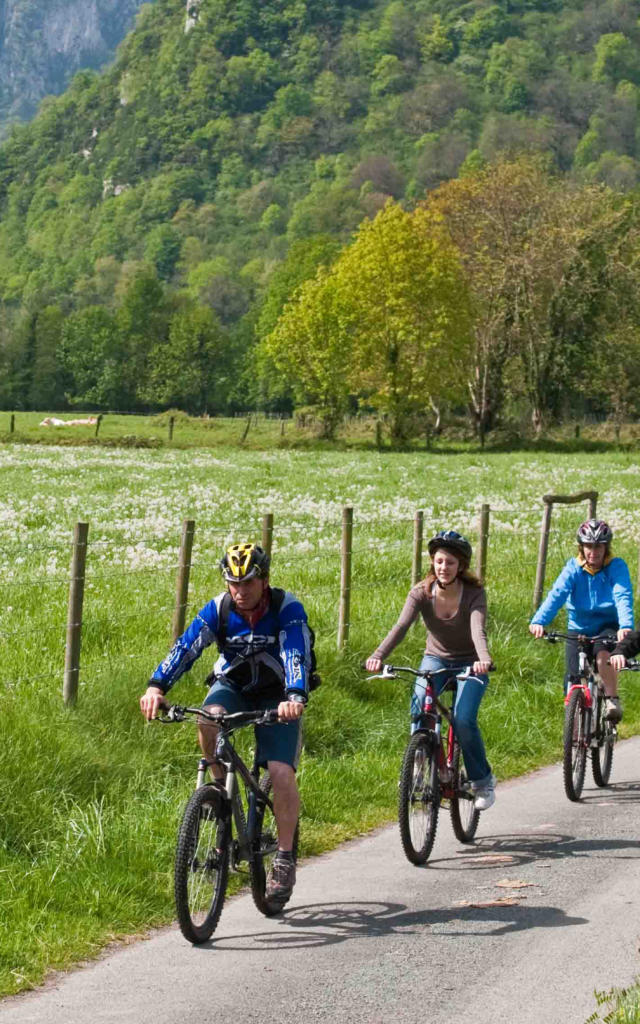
(587, 730)
(432, 772)
(226, 823)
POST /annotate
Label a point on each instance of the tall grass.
(90, 797)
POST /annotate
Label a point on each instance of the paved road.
(369, 939)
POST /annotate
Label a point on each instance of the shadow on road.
(491, 852)
(325, 924)
(615, 793)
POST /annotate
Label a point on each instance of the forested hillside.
(154, 215)
(44, 42)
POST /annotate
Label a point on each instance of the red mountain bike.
(432, 772)
(587, 730)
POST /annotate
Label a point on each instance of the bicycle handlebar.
(553, 636)
(179, 713)
(389, 672)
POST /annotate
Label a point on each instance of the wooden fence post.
(182, 579)
(549, 501)
(74, 614)
(483, 543)
(246, 430)
(98, 422)
(12, 423)
(542, 553)
(418, 530)
(171, 422)
(345, 577)
(267, 532)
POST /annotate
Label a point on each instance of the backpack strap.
(223, 620)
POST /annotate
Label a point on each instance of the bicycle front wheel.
(464, 816)
(602, 755)
(202, 864)
(419, 797)
(575, 744)
(265, 849)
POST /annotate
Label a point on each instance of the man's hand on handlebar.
(617, 662)
(151, 702)
(373, 665)
(536, 630)
(289, 710)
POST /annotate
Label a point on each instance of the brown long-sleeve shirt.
(463, 636)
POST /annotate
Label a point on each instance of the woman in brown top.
(453, 605)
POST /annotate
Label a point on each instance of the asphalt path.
(521, 926)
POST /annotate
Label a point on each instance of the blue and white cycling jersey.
(594, 600)
(275, 653)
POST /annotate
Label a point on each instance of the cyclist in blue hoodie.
(596, 588)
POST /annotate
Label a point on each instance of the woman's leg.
(465, 722)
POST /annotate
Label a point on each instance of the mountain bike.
(432, 772)
(226, 823)
(587, 730)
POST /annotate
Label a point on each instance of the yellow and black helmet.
(243, 562)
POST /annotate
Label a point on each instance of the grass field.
(89, 798)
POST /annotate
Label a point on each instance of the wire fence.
(347, 562)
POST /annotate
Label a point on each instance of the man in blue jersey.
(264, 662)
(596, 588)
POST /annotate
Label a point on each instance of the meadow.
(90, 796)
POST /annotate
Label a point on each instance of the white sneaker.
(485, 796)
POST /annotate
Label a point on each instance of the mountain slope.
(222, 135)
(44, 42)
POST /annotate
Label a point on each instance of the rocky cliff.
(44, 42)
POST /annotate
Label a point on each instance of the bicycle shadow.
(510, 850)
(327, 924)
(614, 793)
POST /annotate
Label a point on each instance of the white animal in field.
(53, 421)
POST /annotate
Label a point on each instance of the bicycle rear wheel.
(575, 744)
(419, 797)
(602, 755)
(464, 816)
(266, 847)
(202, 864)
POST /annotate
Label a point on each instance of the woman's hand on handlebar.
(617, 662)
(151, 702)
(536, 630)
(373, 665)
(480, 668)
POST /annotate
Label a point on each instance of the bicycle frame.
(227, 758)
(430, 720)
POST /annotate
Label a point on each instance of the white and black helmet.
(594, 531)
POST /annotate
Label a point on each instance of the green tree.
(402, 284)
(311, 345)
(93, 357)
(190, 370)
(47, 386)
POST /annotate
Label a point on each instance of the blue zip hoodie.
(594, 600)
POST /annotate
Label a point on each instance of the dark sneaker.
(281, 880)
(613, 709)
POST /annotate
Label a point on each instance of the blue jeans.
(465, 712)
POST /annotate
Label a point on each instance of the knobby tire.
(574, 761)
(602, 755)
(202, 864)
(419, 797)
(266, 846)
(464, 817)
